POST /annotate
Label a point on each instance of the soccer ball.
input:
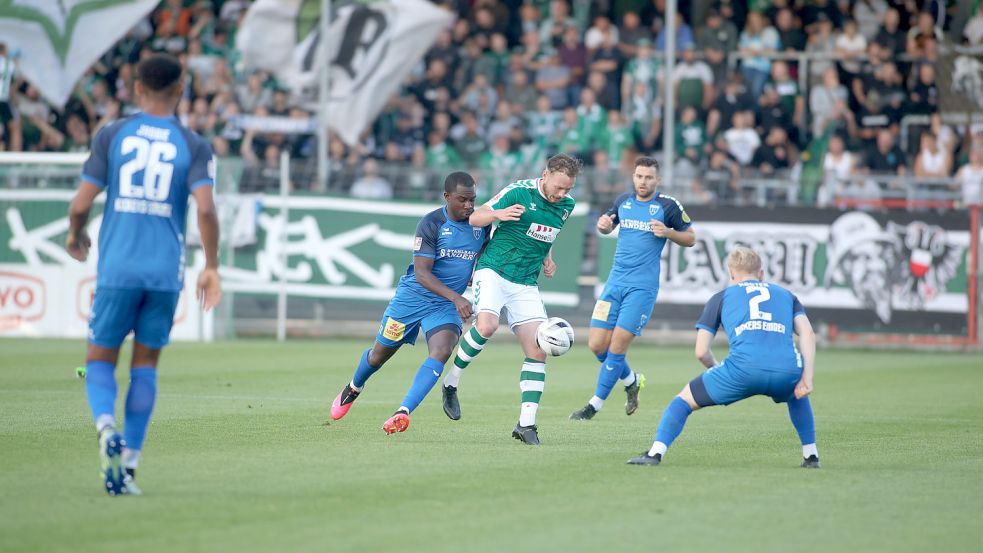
(554, 336)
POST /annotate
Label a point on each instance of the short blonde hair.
(744, 260)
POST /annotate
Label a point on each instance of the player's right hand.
(78, 245)
(605, 223)
(209, 289)
(803, 388)
(510, 213)
(463, 307)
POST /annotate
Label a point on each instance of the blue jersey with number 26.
(148, 166)
(758, 319)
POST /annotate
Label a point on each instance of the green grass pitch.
(240, 457)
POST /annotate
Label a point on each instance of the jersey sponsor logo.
(759, 324)
(635, 224)
(142, 207)
(601, 310)
(543, 233)
(467, 255)
(393, 329)
(417, 243)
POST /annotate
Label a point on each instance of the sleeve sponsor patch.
(686, 218)
(417, 243)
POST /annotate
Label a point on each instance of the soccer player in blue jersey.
(148, 164)
(648, 219)
(759, 318)
(428, 297)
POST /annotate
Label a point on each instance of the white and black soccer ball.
(554, 336)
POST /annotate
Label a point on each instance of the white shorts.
(521, 302)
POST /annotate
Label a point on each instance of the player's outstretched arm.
(485, 215)
(423, 269)
(78, 241)
(807, 347)
(209, 289)
(704, 339)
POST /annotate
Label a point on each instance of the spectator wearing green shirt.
(591, 118)
(440, 155)
(573, 140)
(643, 68)
(691, 136)
(543, 124)
(616, 137)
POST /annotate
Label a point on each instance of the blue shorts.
(625, 307)
(404, 317)
(116, 312)
(727, 383)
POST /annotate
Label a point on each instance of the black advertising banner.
(890, 271)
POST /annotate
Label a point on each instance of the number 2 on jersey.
(152, 158)
(754, 303)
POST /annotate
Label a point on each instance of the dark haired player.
(428, 296)
(148, 164)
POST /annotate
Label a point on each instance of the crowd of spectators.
(512, 81)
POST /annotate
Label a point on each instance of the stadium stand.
(792, 101)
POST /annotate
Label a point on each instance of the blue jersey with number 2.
(757, 317)
(148, 166)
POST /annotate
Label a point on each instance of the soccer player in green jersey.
(530, 214)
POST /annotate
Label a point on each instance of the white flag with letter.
(60, 39)
(372, 47)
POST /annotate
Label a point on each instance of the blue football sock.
(100, 388)
(609, 374)
(673, 420)
(139, 405)
(426, 377)
(363, 371)
(800, 411)
(602, 356)
(625, 371)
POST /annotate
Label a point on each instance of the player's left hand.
(803, 388)
(549, 267)
(209, 289)
(659, 228)
(78, 245)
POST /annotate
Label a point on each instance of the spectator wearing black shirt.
(715, 40)
(872, 117)
(890, 36)
(771, 112)
(789, 31)
(811, 14)
(885, 157)
(924, 95)
(776, 155)
(732, 99)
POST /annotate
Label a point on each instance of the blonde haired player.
(759, 318)
(530, 215)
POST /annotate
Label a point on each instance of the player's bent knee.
(687, 395)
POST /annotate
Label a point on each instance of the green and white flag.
(60, 39)
(372, 47)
